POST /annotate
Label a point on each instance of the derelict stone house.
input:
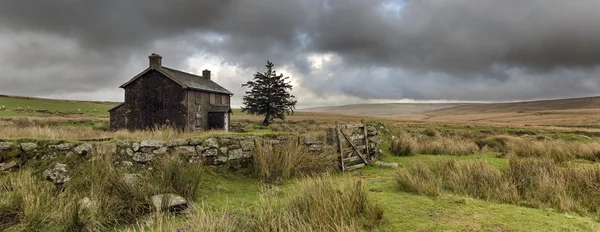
(161, 96)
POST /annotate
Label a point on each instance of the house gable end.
(136, 77)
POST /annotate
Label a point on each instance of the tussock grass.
(533, 182)
(114, 198)
(418, 179)
(320, 205)
(557, 150)
(291, 160)
(176, 176)
(315, 204)
(406, 144)
(28, 203)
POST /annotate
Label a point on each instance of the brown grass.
(533, 182)
(76, 133)
(558, 150)
(283, 161)
(319, 205)
(406, 144)
(316, 204)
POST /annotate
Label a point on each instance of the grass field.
(566, 138)
(24, 106)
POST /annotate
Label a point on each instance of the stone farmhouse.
(160, 96)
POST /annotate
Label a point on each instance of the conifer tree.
(269, 95)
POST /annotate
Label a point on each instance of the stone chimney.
(206, 74)
(155, 60)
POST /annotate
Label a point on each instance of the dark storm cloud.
(482, 49)
(466, 36)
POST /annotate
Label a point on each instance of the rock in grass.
(389, 165)
(58, 174)
(85, 203)
(131, 179)
(171, 202)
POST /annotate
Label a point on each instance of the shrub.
(291, 160)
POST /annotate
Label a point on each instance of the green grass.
(21, 106)
(405, 211)
(490, 157)
(411, 212)
(230, 192)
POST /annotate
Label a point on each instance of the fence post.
(366, 139)
(339, 140)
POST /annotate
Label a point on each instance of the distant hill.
(386, 109)
(520, 107)
(439, 109)
(28, 106)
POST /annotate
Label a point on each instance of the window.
(224, 99)
(212, 98)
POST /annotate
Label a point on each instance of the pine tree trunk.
(266, 121)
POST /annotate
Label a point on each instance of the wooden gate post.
(339, 140)
(366, 140)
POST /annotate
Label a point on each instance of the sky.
(334, 51)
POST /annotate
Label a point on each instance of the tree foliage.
(269, 95)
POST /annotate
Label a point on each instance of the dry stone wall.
(219, 150)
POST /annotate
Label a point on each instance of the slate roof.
(187, 80)
(195, 82)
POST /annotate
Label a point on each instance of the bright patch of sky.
(392, 8)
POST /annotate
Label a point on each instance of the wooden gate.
(356, 155)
